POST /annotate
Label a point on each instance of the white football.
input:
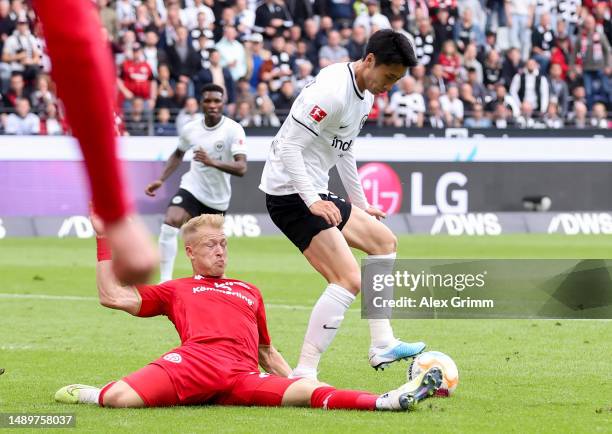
(430, 359)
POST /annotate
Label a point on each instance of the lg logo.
(448, 182)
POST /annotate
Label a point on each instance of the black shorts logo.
(177, 200)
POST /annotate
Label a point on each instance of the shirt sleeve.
(239, 142)
(185, 143)
(156, 299)
(262, 324)
(347, 169)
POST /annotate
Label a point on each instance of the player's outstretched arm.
(110, 292)
(238, 167)
(171, 165)
(272, 361)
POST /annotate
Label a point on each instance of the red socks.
(330, 398)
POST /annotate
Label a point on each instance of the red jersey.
(137, 77)
(451, 66)
(223, 319)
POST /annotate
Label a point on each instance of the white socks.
(168, 246)
(89, 395)
(325, 319)
(381, 333)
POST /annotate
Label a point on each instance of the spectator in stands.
(279, 66)
(602, 14)
(137, 80)
(527, 119)
(478, 90)
(7, 27)
(243, 92)
(203, 29)
(136, 121)
(304, 76)
(435, 117)
(22, 122)
(599, 116)
(108, 16)
(578, 119)
(183, 59)
(372, 18)
(189, 15)
(531, 86)
(406, 106)
(578, 95)
(357, 43)
(333, 52)
(477, 120)
(245, 17)
(502, 97)
(169, 31)
(466, 95)
(51, 124)
(398, 24)
(501, 117)
(314, 40)
(397, 9)
(520, 19)
(143, 23)
(425, 43)
(165, 90)
(559, 91)
(283, 100)
(444, 28)
(470, 62)
(561, 54)
(152, 55)
(264, 108)
(232, 53)
(542, 42)
(21, 50)
(256, 55)
(452, 107)
(436, 78)
(42, 95)
(593, 53)
(243, 114)
(466, 32)
(418, 73)
(511, 66)
(16, 90)
(569, 12)
(450, 61)
(190, 112)
(126, 14)
(271, 18)
(219, 75)
(163, 126)
(551, 118)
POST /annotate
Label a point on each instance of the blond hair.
(214, 221)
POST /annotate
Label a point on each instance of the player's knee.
(351, 281)
(117, 397)
(385, 244)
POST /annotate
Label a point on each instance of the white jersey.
(324, 121)
(209, 185)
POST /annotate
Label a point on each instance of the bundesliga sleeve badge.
(317, 113)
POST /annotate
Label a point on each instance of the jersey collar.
(215, 127)
(354, 81)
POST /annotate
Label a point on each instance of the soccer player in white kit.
(219, 151)
(318, 134)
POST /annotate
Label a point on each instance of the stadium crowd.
(483, 63)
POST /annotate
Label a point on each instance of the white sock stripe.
(387, 256)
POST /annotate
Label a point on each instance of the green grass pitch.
(515, 375)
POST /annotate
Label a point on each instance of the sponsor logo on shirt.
(341, 145)
(226, 289)
(173, 358)
(317, 114)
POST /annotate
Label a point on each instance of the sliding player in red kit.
(224, 337)
(83, 71)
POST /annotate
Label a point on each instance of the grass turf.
(515, 375)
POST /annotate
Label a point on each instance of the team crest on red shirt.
(317, 114)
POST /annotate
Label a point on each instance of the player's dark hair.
(391, 48)
(211, 87)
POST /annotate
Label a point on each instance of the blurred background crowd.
(483, 63)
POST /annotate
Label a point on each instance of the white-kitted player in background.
(220, 150)
(318, 134)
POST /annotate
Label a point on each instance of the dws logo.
(467, 224)
(581, 223)
(244, 225)
(81, 225)
(458, 203)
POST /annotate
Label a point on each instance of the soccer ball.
(428, 360)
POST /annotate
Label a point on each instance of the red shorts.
(172, 380)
